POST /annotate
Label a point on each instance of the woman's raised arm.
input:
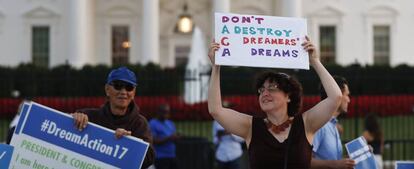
(318, 115)
(231, 120)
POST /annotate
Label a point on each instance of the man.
(228, 146)
(119, 113)
(164, 133)
(327, 146)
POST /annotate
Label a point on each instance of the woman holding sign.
(283, 138)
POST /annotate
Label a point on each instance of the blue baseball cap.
(123, 74)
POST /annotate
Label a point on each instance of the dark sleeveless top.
(376, 146)
(266, 152)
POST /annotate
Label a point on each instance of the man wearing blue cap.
(119, 113)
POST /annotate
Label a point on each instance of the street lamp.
(185, 22)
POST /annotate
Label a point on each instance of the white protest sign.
(46, 138)
(260, 41)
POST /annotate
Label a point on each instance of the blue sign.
(6, 152)
(404, 165)
(359, 151)
(23, 113)
(51, 136)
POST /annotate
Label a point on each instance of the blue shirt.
(228, 146)
(160, 130)
(327, 142)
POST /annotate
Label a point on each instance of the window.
(40, 45)
(327, 37)
(381, 45)
(181, 55)
(120, 45)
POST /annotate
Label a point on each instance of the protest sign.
(404, 165)
(6, 152)
(47, 138)
(359, 151)
(260, 41)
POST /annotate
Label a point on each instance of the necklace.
(278, 128)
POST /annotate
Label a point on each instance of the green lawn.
(397, 127)
(4, 126)
(195, 129)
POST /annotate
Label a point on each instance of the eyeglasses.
(270, 88)
(118, 85)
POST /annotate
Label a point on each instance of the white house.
(80, 32)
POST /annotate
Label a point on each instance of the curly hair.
(287, 84)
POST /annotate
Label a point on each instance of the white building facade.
(91, 32)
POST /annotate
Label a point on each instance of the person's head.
(371, 124)
(120, 87)
(278, 90)
(343, 85)
(163, 111)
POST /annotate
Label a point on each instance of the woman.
(374, 137)
(269, 140)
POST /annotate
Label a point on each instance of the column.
(150, 32)
(221, 6)
(292, 8)
(81, 33)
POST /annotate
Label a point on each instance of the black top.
(376, 146)
(266, 152)
(132, 121)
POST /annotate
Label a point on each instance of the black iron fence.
(65, 81)
(399, 150)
